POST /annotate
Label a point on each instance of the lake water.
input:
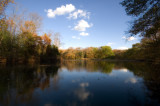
(80, 83)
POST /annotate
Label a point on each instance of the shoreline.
(115, 60)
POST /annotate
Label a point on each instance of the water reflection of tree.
(150, 73)
(18, 83)
(89, 66)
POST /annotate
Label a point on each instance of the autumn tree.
(90, 52)
(32, 24)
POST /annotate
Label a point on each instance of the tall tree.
(147, 13)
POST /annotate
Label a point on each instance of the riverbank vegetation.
(146, 50)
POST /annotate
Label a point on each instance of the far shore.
(114, 60)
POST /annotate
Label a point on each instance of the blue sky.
(84, 23)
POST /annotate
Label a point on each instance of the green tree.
(105, 52)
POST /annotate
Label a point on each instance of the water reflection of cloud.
(131, 80)
(124, 70)
(84, 84)
(81, 92)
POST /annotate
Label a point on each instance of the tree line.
(90, 53)
(146, 50)
(19, 38)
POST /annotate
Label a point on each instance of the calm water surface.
(75, 83)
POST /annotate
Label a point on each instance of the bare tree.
(57, 41)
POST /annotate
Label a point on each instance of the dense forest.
(20, 41)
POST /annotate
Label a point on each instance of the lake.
(80, 83)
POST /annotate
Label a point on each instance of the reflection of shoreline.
(89, 66)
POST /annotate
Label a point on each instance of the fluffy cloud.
(84, 34)
(129, 38)
(123, 48)
(73, 13)
(74, 37)
(79, 13)
(60, 10)
(82, 25)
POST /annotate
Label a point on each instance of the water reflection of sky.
(78, 84)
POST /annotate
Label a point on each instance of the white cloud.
(131, 38)
(60, 10)
(79, 13)
(110, 43)
(123, 48)
(75, 37)
(84, 34)
(82, 25)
